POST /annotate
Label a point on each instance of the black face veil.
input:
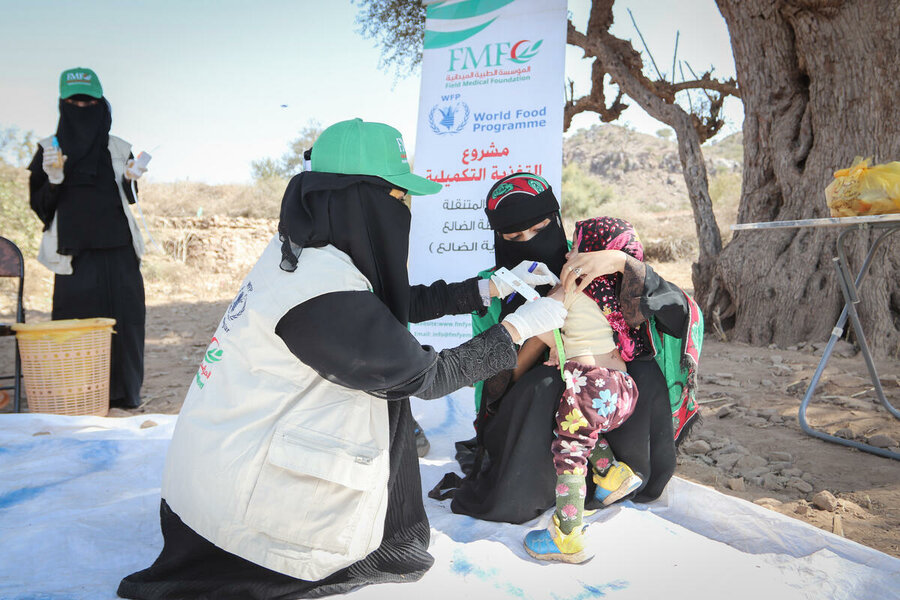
(83, 135)
(358, 216)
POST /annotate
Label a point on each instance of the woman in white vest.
(292, 472)
(80, 188)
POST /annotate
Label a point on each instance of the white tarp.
(79, 509)
(491, 104)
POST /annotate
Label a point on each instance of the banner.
(491, 105)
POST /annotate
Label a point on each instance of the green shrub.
(582, 194)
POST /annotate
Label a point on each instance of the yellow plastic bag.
(864, 190)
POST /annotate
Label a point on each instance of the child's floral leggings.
(596, 400)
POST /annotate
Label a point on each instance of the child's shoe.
(553, 544)
(618, 482)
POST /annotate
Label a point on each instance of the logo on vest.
(213, 355)
(237, 306)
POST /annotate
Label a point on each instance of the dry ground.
(749, 443)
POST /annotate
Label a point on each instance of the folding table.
(887, 224)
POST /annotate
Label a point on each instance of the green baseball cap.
(358, 147)
(79, 81)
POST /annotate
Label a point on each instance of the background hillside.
(613, 170)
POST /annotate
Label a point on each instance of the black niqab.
(83, 135)
(357, 215)
(549, 246)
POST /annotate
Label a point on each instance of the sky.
(208, 86)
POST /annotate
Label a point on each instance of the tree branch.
(728, 87)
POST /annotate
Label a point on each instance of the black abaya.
(108, 283)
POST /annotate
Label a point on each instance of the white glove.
(540, 316)
(132, 171)
(53, 165)
(540, 275)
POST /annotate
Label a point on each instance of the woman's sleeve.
(645, 294)
(352, 339)
(42, 195)
(429, 302)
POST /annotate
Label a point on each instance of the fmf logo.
(402, 150)
(492, 55)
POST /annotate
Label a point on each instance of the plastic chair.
(12, 264)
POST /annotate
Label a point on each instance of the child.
(599, 394)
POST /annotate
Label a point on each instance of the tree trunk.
(819, 84)
(610, 51)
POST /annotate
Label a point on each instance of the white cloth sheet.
(79, 509)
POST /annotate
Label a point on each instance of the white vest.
(61, 264)
(270, 461)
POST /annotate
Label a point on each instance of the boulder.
(825, 500)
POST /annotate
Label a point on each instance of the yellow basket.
(66, 365)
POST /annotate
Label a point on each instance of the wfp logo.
(493, 55)
(448, 118)
(78, 77)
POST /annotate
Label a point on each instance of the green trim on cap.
(358, 147)
(79, 81)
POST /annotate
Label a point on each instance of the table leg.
(849, 291)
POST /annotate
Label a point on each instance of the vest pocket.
(319, 491)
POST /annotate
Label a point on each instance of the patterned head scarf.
(608, 233)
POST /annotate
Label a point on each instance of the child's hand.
(553, 361)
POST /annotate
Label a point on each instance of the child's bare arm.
(530, 352)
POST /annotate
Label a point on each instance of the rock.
(723, 412)
(781, 456)
(776, 359)
(857, 403)
(696, 447)
(882, 440)
(889, 382)
(767, 502)
(767, 383)
(771, 481)
(809, 477)
(799, 485)
(757, 481)
(792, 348)
(756, 421)
(148, 424)
(736, 484)
(706, 459)
(757, 472)
(727, 461)
(825, 500)
(845, 432)
(802, 509)
(797, 388)
(37, 433)
(118, 413)
(844, 349)
(718, 443)
(837, 526)
(724, 375)
(779, 466)
(751, 461)
(792, 472)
